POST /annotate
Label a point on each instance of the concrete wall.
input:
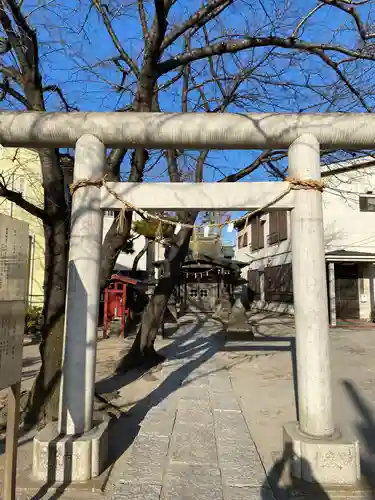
(346, 228)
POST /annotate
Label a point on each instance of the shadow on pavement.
(125, 429)
(366, 432)
(284, 486)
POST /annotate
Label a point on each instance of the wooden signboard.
(14, 245)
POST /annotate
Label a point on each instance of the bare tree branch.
(170, 82)
(11, 72)
(349, 9)
(305, 19)
(58, 91)
(143, 20)
(342, 77)
(198, 19)
(129, 61)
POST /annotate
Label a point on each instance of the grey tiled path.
(190, 440)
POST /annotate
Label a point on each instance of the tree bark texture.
(43, 397)
(142, 351)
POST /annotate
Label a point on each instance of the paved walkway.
(190, 438)
(189, 428)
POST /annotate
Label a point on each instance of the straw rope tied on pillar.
(292, 184)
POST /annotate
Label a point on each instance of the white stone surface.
(310, 293)
(330, 461)
(201, 196)
(80, 336)
(61, 459)
(188, 130)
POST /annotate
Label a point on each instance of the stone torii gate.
(78, 446)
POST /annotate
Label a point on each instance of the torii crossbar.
(320, 453)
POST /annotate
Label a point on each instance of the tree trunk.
(142, 351)
(43, 398)
(42, 404)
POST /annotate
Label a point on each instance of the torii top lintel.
(187, 130)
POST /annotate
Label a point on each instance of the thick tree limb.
(262, 158)
(19, 200)
(11, 72)
(233, 46)
(8, 90)
(25, 45)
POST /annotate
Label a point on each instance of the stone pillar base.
(64, 459)
(328, 461)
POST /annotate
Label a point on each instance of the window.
(257, 233)
(278, 227)
(109, 213)
(239, 242)
(244, 240)
(253, 278)
(20, 185)
(278, 283)
(367, 203)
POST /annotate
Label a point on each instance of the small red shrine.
(115, 303)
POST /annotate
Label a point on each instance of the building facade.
(21, 172)
(348, 215)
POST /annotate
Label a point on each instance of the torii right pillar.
(318, 452)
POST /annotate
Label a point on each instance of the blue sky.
(74, 46)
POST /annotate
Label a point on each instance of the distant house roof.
(350, 256)
(128, 280)
(209, 261)
(347, 165)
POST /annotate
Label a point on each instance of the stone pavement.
(208, 424)
(192, 441)
(211, 426)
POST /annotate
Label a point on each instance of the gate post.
(82, 301)
(76, 449)
(310, 293)
(320, 452)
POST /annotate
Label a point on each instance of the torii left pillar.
(76, 449)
